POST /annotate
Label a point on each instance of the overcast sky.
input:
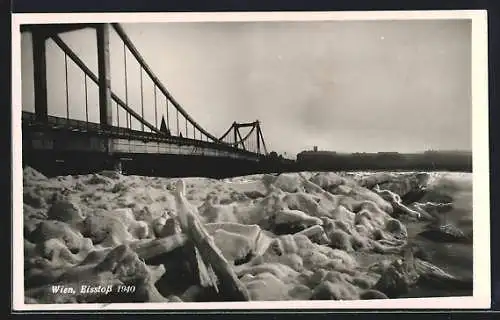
(347, 86)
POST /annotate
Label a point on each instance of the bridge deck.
(69, 134)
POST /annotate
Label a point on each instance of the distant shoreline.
(61, 164)
(426, 161)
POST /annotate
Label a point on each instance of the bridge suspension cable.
(86, 99)
(166, 107)
(251, 141)
(156, 108)
(66, 82)
(133, 50)
(129, 124)
(71, 54)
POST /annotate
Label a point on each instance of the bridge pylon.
(234, 137)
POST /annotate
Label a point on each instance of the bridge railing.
(140, 139)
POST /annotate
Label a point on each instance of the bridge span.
(171, 143)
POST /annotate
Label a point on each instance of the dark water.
(454, 258)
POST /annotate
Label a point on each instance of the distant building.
(429, 160)
(314, 155)
(390, 153)
(448, 152)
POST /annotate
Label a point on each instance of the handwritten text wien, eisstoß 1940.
(93, 289)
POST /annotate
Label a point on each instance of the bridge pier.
(118, 165)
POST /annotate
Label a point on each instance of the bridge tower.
(40, 35)
(40, 74)
(103, 62)
(237, 140)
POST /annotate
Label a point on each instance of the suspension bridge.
(172, 143)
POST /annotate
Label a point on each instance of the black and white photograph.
(192, 161)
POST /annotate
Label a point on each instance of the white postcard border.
(481, 298)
